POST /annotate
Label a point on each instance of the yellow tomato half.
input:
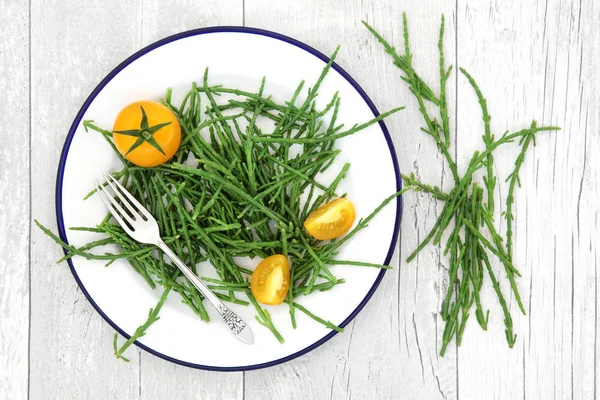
(270, 281)
(331, 220)
(147, 133)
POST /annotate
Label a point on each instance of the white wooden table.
(533, 59)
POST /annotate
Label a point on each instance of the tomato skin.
(331, 220)
(270, 281)
(168, 137)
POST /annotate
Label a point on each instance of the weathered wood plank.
(537, 70)
(558, 361)
(545, 69)
(487, 367)
(74, 45)
(14, 198)
(390, 350)
(582, 100)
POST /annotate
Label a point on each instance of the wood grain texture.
(390, 349)
(74, 45)
(487, 367)
(559, 359)
(535, 59)
(14, 198)
(538, 70)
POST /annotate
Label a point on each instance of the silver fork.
(141, 226)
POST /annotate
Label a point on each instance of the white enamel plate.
(236, 57)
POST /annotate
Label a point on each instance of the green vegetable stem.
(473, 236)
(233, 190)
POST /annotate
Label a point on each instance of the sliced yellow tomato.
(331, 220)
(147, 133)
(270, 281)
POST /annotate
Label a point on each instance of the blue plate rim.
(202, 31)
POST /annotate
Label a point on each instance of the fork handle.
(235, 323)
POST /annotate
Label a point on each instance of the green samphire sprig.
(473, 236)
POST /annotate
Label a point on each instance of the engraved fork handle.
(235, 323)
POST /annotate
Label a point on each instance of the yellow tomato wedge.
(147, 133)
(270, 281)
(331, 220)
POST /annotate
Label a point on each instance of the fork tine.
(126, 202)
(107, 203)
(133, 200)
(115, 208)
